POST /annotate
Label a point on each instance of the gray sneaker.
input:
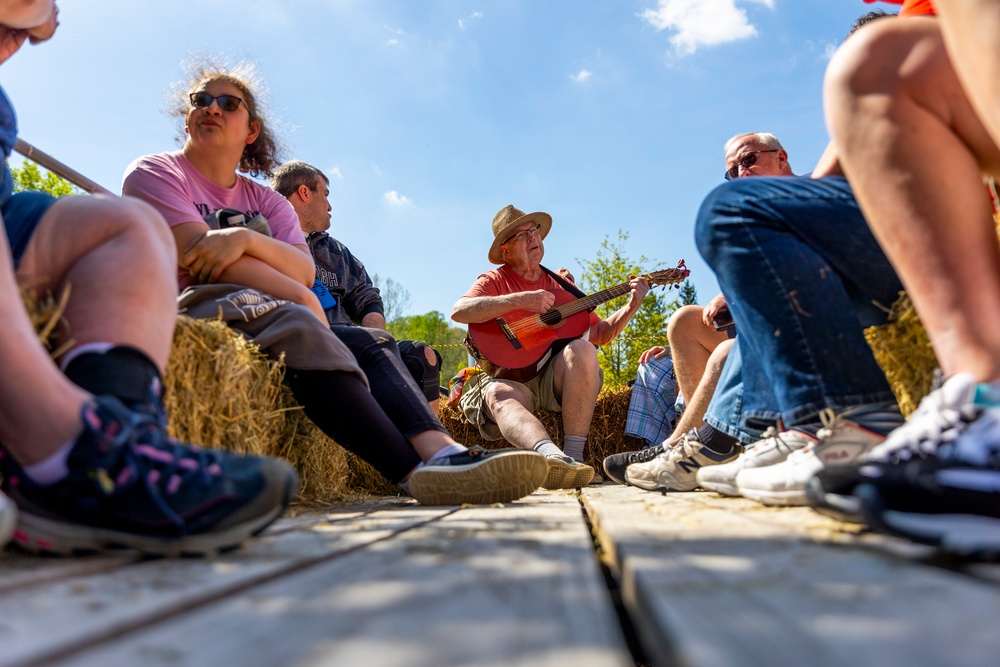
(675, 469)
(615, 464)
(565, 473)
(774, 448)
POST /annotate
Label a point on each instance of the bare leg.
(694, 413)
(119, 260)
(914, 149)
(577, 382)
(517, 424)
(691, 344)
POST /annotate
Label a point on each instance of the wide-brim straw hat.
(508, 219)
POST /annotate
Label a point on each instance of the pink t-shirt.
(182, 194)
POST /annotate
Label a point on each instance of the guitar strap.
(565, 284)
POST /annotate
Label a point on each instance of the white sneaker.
(840, 442)
(675, 468)
(939, 419)
(8, 519)
(767, 452)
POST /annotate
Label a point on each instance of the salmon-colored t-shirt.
(912, 7)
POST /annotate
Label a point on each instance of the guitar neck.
(593, 300)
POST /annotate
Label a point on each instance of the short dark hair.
(287, 178)
(870, 17)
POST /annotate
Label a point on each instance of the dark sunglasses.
(228, 103)
(747, 161)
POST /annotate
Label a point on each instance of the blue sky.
(431, 115)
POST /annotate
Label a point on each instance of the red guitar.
(517, 345)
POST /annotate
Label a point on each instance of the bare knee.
(581, 357)
(718, 358)
(685, 321)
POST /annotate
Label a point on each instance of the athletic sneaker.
(129, 485)
(840, 442)
(478, 476)
(941, 417)
(565, 473)
(675, 468)
(615, 465)
(774, 448)
(8, 519)
(951, 500)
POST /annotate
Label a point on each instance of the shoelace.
(148, 456)
(645, 455)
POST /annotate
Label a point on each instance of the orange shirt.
(912, 7)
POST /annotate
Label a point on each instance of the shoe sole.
(834, 505)
(722, 488)
(562, 475)
(965, 535)
(499, 478)
(45, 535)
(790, 498)
(659, 488)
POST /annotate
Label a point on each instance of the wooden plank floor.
(704, 581)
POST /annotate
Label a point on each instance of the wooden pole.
(58, 168)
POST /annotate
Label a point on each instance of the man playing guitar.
(567, 379)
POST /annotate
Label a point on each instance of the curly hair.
(259, 158)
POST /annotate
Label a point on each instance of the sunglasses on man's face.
(228, 103)
(747, 161)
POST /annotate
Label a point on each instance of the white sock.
(547, 448)
(447, 450)
(51, 469)
(574, 445)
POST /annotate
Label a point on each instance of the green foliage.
(433, 329)
(395, 298)
(688, 295)
(29, 177)
(648, 327)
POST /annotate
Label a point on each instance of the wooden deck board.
(716, 581)
(705, 580)
(517, 585)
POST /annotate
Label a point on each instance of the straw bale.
(904, 352)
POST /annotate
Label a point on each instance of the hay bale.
(904, 352)
(222, 391)
(607, 430)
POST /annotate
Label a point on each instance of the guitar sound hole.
(551, 318)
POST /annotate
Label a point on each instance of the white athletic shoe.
(771, 450)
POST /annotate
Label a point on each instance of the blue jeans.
(803, 277)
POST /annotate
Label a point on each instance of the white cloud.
(334, 173)
(580, 76)
(699, 23)
(462, 23)
(392, 42)
(396, 200)
(376, 169)
(829, 50)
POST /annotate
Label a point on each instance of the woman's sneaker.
(771, 450)
(615, 464)
(478, 476)
(131, 486)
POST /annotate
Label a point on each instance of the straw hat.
(507, 220)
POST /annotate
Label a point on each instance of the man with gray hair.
(345, 290)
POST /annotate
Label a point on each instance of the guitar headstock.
(668, 276)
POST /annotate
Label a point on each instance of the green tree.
(395, 297)
(688, 295)
(433, 329)
(30, 177)
(612, 266)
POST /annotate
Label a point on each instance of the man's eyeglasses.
(747, 161)
(228, 103)
(524, 234)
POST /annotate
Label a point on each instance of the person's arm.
(207, 253)
(604, 331)
(362, 300)
(475, 309)
(373, 321)
(829, 163)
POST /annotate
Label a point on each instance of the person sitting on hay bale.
(260, 284)
(904, 92)
(566, 378)
(708, 432)
(88, 462)
(351, 302)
